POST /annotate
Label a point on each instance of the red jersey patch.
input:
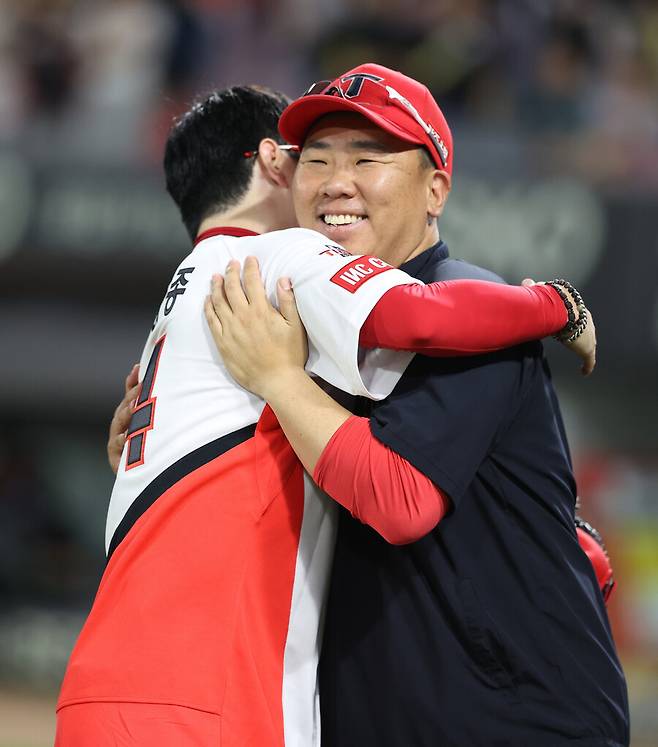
(354, 275)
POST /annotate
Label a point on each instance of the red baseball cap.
(393, 101)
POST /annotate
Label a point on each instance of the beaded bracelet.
(574, 328)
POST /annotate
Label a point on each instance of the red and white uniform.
(219, 544)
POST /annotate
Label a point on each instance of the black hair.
(204, 163)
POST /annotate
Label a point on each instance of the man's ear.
(272, 159)
(439, 186)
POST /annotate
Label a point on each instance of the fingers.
(121, 421)
(211, 317)
(527, 282)
(120, 442)
(253, 283)
(124, 413)
(589, 362)
(132, 378)
(218, 297)
(235, 295)
(128, 406)
(287, 303)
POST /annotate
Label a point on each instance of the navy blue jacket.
(491, 630)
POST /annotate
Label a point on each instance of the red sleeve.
(462, 317)
(377, 486)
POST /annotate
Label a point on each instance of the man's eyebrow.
(353, 145)
(319, 144)
(370, 145)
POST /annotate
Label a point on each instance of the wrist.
(281, 383)
(576, 310)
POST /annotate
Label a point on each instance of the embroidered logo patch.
(356, 273)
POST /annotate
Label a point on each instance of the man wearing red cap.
(491, 629)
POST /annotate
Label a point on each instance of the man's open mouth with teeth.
(335, 219)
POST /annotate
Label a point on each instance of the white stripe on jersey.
(300, 696)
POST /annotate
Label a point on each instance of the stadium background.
(554, 108)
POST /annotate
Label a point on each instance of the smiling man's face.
(367, 190)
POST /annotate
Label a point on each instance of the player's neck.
(261, 209)
(234, 220)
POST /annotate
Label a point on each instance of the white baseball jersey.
(212, 512)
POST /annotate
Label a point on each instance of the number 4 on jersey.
(143, 417)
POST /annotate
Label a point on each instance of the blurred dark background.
(554, 110)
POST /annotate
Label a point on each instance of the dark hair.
(205, 167)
